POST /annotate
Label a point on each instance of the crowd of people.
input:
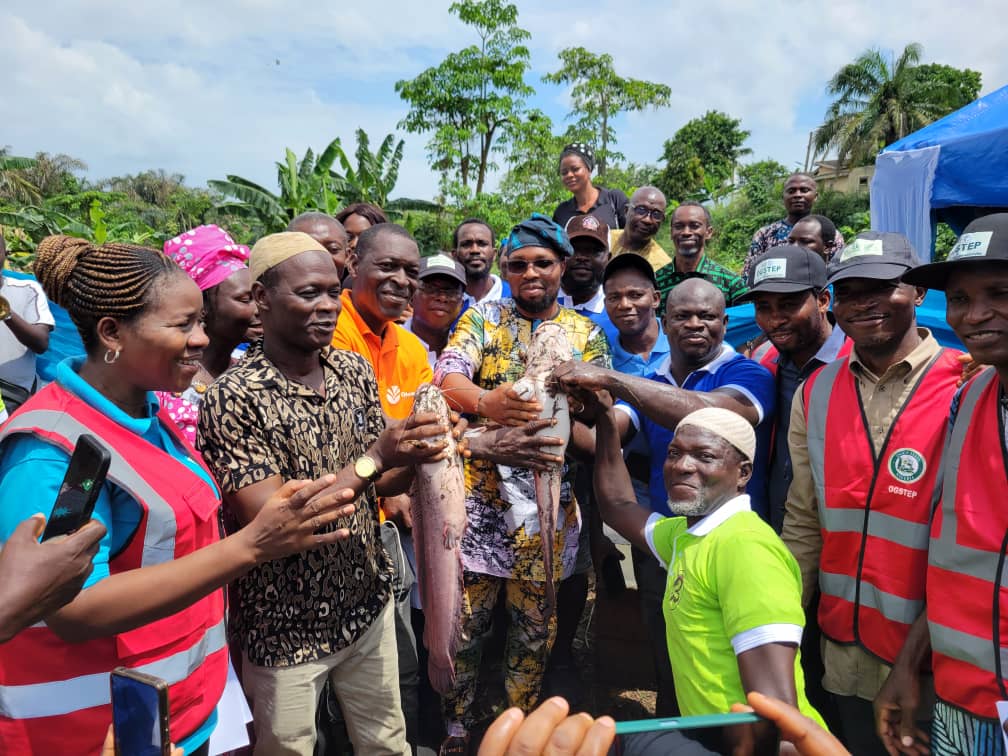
(813, 516)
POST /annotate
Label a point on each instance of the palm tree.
(879, 101)
(14, 185)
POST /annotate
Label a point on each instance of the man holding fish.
(515, 491)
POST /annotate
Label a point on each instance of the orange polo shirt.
(399, 359)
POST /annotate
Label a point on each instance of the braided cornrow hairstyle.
(93, 282)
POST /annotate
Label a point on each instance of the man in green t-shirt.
(732, 604)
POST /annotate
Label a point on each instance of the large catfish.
(439, 519)
(547, 349)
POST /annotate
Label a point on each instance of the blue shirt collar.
(621, 356)
(68, 377)
(727, 353)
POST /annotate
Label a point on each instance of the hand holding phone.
(139, 714)
(81, 485)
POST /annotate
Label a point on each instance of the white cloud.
(197, 88)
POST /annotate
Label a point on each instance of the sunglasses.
(518, 267)
(643, 212)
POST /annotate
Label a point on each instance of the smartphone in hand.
(743, 734)
(139, 714)
(84, 478)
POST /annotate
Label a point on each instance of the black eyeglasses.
(518, 267)
(643, 212)
(436, 292)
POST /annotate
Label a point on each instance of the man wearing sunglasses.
(484, 357)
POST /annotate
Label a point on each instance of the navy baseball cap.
(984, 240)
(880, 255)
(783, 270)
(630, 261)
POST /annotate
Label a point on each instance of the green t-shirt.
(735, 578)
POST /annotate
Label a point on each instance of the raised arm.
(662, 402)
(613, 489)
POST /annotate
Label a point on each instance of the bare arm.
(768, 669)
(35, 336)
(801, 532)
(898, 702)
(286, 525)
(613, 489)
(662, 402)
(501, 404)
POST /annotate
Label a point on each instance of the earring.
(115, 356)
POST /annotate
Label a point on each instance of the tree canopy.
(700, 159)
(882, 97)
(599, 94)
(470, 99)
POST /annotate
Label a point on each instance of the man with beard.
(502, 548)
(690, 229)
(473, 241)
(581, 285)
(960, 632)
(787, 287)
(800, 193)
(733, 597)
(328, 232)
(866, 437)
(645, 215)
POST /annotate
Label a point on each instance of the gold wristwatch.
(366, 469)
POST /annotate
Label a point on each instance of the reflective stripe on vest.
(967, 584)
(159, 544)
(766, 354)
(52, 699)
(874, 520)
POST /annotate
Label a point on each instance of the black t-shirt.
(610, 208)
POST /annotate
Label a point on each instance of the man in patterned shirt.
(297, 409)
(690, 230)
(800, 192)
(476, 371)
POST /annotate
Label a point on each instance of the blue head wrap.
(538, 231)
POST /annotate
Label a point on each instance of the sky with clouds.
(210, 88)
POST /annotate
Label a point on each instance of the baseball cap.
(983, 240)
(785, 269)
(590, 226)
(630, 261)
(880, 255)
(441, 265)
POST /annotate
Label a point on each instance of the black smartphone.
(139, 714)
(716, 734)
(84, 478)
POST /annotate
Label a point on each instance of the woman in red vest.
(154, 601)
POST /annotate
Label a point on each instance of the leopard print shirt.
(255, 423)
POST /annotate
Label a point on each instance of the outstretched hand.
(36, 578)
(289, 521)
(807, 737)
(548, 729)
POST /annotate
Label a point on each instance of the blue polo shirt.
(728, 370)
(32, 470)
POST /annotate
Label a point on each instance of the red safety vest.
(766, 354)
(875, 507)
(54, 695)
(967, 592)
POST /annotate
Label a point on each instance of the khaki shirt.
(850, 670)
(653, 252)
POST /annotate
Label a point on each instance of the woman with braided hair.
(577, 162)
(154, 601)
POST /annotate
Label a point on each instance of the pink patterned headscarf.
(208, 254)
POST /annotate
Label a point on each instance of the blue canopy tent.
(952, 170)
